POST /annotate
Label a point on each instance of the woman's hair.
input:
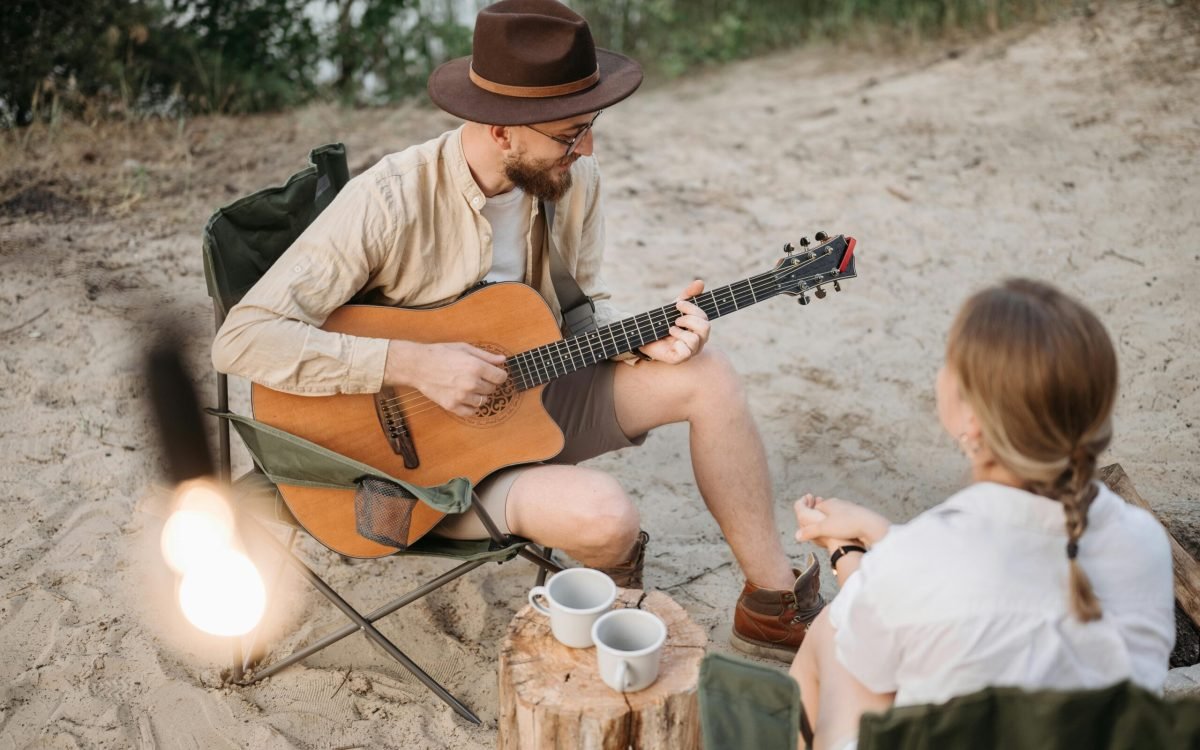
(1040, 373)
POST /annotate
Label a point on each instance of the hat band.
(535, 92)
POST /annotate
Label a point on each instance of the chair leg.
(544, 561)
(363, 624)
(384, 611)
(250, 651)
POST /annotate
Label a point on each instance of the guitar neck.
(545, 363)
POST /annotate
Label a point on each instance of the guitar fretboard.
(545, 363)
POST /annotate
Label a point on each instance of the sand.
(1069, 152)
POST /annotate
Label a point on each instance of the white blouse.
(973, 593)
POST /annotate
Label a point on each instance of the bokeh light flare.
(201, 526)
(224, 595)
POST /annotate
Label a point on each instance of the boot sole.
(762, 650)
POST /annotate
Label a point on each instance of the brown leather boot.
(772, 623)
(628, 575)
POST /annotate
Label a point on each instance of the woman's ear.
(970, 424)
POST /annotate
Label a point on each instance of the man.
(425, 225)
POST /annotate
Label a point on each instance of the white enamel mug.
(629, 645)
(576, 598)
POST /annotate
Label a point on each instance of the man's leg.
(583, 512)
(728, 458)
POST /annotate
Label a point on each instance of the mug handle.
(535, 592)
(624, 676)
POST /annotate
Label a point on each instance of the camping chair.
(743, 704)
(241, 241)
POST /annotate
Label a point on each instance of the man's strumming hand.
(456, 377)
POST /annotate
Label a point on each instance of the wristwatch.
(840, 551)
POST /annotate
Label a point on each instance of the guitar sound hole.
(501, 404)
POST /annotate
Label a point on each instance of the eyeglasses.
(570, 143)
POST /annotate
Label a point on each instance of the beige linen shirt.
(407, 232)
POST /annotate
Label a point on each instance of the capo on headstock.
(850, 243)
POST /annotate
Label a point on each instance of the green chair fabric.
(242, 240)
(289, 459)
(257, 495)
(743, 705)
(1120, 717)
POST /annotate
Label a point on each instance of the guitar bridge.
(390, 410)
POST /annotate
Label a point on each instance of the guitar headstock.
(811, 266)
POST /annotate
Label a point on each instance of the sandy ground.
(1069, 153)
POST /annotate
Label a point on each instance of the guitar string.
(547, 363)
(550, 363)
(748, 294)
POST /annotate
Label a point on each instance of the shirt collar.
(456, 159)
(1010, 506)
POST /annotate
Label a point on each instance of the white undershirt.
(509, 215)
(974, 593)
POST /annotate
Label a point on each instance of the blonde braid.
(1076, 502)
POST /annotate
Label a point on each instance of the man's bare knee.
(607, 523)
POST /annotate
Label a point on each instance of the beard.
(539, 178)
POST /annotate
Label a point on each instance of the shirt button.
(298, 269)
(475, 201)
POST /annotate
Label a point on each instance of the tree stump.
(551, 696)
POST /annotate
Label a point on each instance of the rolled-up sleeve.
(273, 335)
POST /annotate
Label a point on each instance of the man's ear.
(501, 135)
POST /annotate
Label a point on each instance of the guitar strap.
(578, 310)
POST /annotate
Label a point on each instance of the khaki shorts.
(582, 405)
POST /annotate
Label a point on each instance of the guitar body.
(513, 428)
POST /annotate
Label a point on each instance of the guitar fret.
(544, 363)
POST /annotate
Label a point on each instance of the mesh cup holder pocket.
(383, 511)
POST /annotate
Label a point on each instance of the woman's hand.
(833, 523)
(808, 518)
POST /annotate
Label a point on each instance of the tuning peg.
(820, 293)
(837, 287)
(803, 242)
(803, 299)
(788, 248)
(821, 236)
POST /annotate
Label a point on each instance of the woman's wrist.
(832, 545)
(843, 552)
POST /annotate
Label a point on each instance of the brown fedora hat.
(532, 61)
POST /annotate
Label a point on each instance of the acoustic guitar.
(401, 432)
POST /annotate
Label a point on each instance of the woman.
(1035, 575)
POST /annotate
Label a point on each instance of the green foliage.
(393, 47)
(242, 55)
(675, 36)
(111, 57)
(104, 58)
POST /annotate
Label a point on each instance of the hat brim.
(450, 88)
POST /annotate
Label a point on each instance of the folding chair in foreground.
(241, 241)
(743, 704)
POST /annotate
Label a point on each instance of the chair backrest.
(1119, 717)
(743, 704)
(746, 705)
(242, 240)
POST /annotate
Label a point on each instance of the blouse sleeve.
(863, 642)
